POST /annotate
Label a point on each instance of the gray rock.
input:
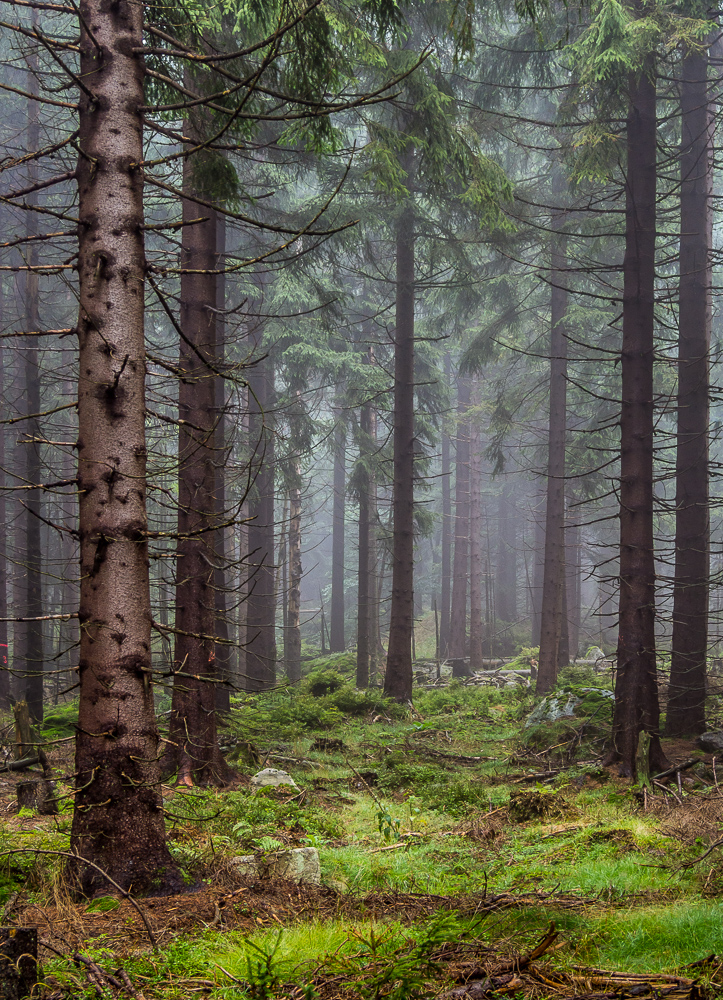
(301, 864)
(270, 777)
(711, 742)
(551, 709)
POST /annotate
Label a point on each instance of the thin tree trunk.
(118, 816)
(224, 654)
(365, 580)
(572, 582)
(192, 750)
(538, 575)
(398, 677)
(376, 572)
(460, 568)
(475, 560)
(554, 568)
(32, 653)
(337, 642)
(261, 603)
(636, 691)
(446, 594)
(686, 693)
(293, 624)
(506, 589)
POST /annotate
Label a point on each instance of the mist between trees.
(364, 325)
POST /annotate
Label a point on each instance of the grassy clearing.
(444, 777)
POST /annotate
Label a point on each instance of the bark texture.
(118, 818)
(398, 677)
(475, 557)
(337, 641)
(365, 587)
(686, 692)
(460, 567)
(446, 592)
(192, 750)
(636, 691)
(261, 601)
(292, 640)
(554, 565)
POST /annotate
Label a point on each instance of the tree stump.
(38, 795)
(18, 962)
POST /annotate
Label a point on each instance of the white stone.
(271, 778)
(301, 864)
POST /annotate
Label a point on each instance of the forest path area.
(449, 840)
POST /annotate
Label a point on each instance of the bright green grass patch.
(640, 939)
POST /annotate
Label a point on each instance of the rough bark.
(337, 641)
(261, 601)
(192, 750)
(446, 589)
(292, 643)
(398, 676)
(475, 557)
(554, 566)
(118, 817)
(460, 566)
(686, 692)
(4, 652)
(636, 692)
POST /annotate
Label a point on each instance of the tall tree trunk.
(337, 642)
(460, 568)
(686, 693)
(572, 584)
(4, 651)
(261, 602)
(554, 568)
(376, 570)
(446, 594)
(292, 644)
(32, 653)
(118, 816)
(224, 650)
(192, 750)
(563, 646)
(506, 588)
(636, 691)
(398, 677)
(365, 593)
(475, 560)
(538, 574)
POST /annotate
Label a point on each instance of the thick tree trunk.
(118, 817)
(365, 592)
(261, 601)
(192, 750)
(636, 691)
(32, 654)
(398, 677)
(292, 644)
(475, 559)
(446, 590)
(686, 693)
(337, 642)
(224, 650)
(460, 568)
(506, 585)
(554, 568)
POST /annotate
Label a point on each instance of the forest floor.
(464, 854)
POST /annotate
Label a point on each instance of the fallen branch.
(537, 952)
(675, 769)
(20, 765)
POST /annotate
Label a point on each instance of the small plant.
(388, 827)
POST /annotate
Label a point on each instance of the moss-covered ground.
(459, 798)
